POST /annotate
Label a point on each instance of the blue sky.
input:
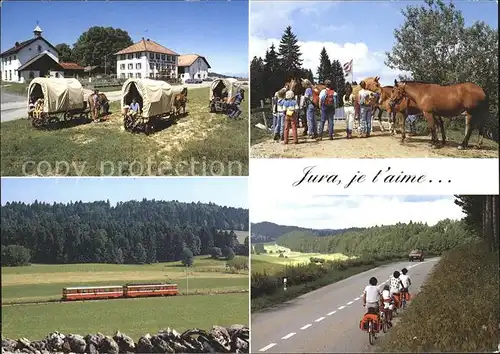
(345, 211)
(222, 191)
(358, 30)
(217, 30)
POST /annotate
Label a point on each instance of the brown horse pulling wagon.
(156, 102)
(52, 100)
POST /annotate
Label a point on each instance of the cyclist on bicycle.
(395, 288)
(406, 282)
(387, 304)
(371, 298)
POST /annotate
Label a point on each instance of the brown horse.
(102, 103)
(446, 101)
(180, 100)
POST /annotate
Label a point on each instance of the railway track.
(51, 301)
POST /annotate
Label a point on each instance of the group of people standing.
(286, 111)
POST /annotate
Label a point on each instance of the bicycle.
(383, 321)
(371, 332)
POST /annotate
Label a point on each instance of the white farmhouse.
(29, 59)
(146, 59)
(193, 66)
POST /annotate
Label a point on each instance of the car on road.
(416, 255)
(194, 81)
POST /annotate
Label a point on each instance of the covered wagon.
(222, 93)
(51, 100)
(155, 99)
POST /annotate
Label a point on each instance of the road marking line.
(267, 347)
(319, 319)
(356, 299)
(341, 307)
(306, 326)
(350, 302)
(289, 335)
(331, 313)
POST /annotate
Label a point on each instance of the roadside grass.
(456, 309)
(267, 286)
(134, 317)
(15, 88)
(293, 258)
(201, 143)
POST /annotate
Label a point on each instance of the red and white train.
(119, 291)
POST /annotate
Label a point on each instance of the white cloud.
(328, 212)
(267, 21)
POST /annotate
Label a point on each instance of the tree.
(338, 79)
(64, 50)
(434, 45)
(324, 70)
(216, 253)
(140, 255)
(98, 44)
(273, 72)
(257, 81)
(289, 53)
(228, 253)
(15, 255)
(187, 257)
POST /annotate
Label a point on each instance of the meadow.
(188, 146)
(41, 283)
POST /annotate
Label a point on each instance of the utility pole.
(187, 280)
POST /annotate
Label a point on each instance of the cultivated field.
(271, 261)
(221, 298)
(187, 147)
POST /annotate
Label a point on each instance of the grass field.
(201, 143)
(241, 235)
(456, 310)
(207, 277)
(271, 261)
(135, 317)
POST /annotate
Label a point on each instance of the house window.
(32, 74)
(122, 75)
(152, 66)
(138, 55)
(138, 75)
(130, 75)
(39, 48)
(138, 66)
(157, 56)
(151, 76)
(130, 66)
(10, 75)
(122, 66)
(10, 60)
(130, 56)
(163, 57)
(57, 74)
(14, 57)
(151, 55)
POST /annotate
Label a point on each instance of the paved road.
(326, 320)
(14, 107)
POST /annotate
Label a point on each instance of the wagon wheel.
(126, 122)
(149, 128)
(67, 116)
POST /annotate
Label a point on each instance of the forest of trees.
(382, 241)
(139, 232)
(267, 231)
(268, 74)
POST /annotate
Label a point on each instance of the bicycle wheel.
(371, 334)
(384, 325)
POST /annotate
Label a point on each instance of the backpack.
(330, 99)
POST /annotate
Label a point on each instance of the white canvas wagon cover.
(232, 86)
(59, 94)
(157, 95)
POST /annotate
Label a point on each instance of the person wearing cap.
(327, 104)
(279, 118)
(291, 108)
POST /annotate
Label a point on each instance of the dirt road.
(379, 145)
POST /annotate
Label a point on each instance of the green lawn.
(135, 317)
(202, 143)
(16, 88)
(207, 277)
(45, 282)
